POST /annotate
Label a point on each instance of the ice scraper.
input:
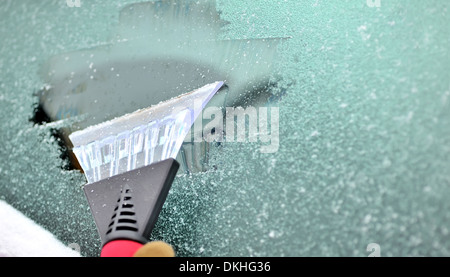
(129, 163)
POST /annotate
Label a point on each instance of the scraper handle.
(120, 248)
(128, 248)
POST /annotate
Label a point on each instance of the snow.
(21, 237)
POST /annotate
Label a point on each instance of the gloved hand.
(155, 249)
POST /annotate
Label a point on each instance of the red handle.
(120, 248)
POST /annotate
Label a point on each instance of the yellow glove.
(155, 249)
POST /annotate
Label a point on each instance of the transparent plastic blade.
(141, 138)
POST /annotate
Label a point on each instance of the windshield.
(330, 135)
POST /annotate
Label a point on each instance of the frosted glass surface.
(364, 154)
